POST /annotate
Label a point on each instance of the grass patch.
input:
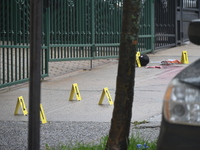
(135, 123)
(134, 140)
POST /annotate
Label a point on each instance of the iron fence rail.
(146, 34)
(84, 29)
(165, 24)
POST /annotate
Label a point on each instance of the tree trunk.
(122, 113)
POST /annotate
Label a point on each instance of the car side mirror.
(194, 31)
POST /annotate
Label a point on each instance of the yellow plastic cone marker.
(20, 102)
(137, 59)
(75, 90)
(42, 115)
(107, 93)
(184, 57)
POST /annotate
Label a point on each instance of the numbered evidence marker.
(20, 102)
(75, 90)
(184, 57)
(42, 115)
(137, 59)
(107, 93)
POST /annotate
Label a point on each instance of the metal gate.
(72, 30)
(146, 34)
(171, 21)
(84, 29)
(187, 10)
(14, 43)
(165, 23)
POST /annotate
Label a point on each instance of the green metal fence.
(84, 29)
(15, 43)
(72, 30)
(146, 35)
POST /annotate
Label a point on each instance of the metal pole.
(35, 75)
(93, 32)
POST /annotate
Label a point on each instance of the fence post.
(47, 33)
(176, 22)
(92, 31)
(152, 26)
(198, 7)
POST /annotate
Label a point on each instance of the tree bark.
(122, 113)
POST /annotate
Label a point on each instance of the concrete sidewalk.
(150, 86)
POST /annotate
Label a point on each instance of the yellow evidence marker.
(137, 59)
(184, 57)
(42, 115)
(107, 93)
(75, 90)
(20, 102)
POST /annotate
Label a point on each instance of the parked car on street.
(180, 125)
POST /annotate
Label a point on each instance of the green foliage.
(81, 146)
(133, 141)
(136, 139)
(140, 122)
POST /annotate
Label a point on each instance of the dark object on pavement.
(144, 59)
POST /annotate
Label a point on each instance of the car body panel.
(178, 136)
